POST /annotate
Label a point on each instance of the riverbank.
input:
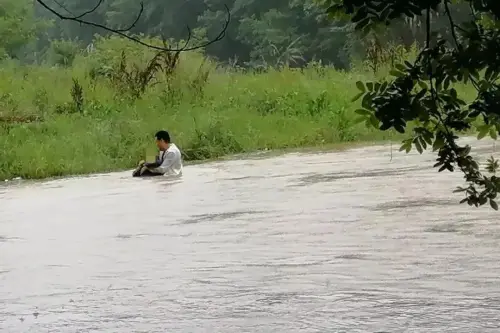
(74, 145)
(252, 155)
(76, 120)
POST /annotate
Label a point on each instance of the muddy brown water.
(317, 242)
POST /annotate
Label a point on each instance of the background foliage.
(261, 33)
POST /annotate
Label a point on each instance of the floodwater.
(311, 242)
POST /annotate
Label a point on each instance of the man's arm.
(155, 164)
(151, 165)
(168, 161)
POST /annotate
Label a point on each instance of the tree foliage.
(423, 91)
(18, 26)
(123, 31)
(283, 32)
(261, 33)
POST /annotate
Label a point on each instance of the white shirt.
(172, 162)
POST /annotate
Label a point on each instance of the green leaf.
(493, 204)
(360, 85)
(396, 73)
(453, 93)
(408, 64)
(385, 126)
(483, 130)
(369, 86)
(488, 74)
(423, 85)
(446, 84)
(358, 96)
(418, 146)
(406, 146)
(400, 128)
(363, 112)
(475, 74)
(465, 73)
(422, 142)
(367, 101)
(428, 136)
(374, 121)
(420, 94)
(400, 67)
(439, 86)
(493, 133)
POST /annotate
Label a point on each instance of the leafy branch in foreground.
(123, 32)
(423, 92)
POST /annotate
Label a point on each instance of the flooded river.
(313, 242)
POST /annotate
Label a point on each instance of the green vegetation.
(94, 116)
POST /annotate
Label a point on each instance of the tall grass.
(58, 121)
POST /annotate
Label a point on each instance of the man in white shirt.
(168, 162)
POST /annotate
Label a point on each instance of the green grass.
(233, 112)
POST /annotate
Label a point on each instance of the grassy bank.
(57, 121)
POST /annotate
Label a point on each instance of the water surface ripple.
(317, 242)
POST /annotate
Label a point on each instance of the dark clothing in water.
(144, 172)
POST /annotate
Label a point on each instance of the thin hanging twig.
(122, 32)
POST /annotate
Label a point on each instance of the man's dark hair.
(163, 135)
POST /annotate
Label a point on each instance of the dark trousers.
(142, 171)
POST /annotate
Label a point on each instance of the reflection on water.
(336, 242)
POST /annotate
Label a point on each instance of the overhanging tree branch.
(123, 32)
(423, 92)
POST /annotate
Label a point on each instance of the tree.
(85, 19)
(260, 34)
(18, 26)
(423, 92)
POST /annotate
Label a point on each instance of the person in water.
(168, 161)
